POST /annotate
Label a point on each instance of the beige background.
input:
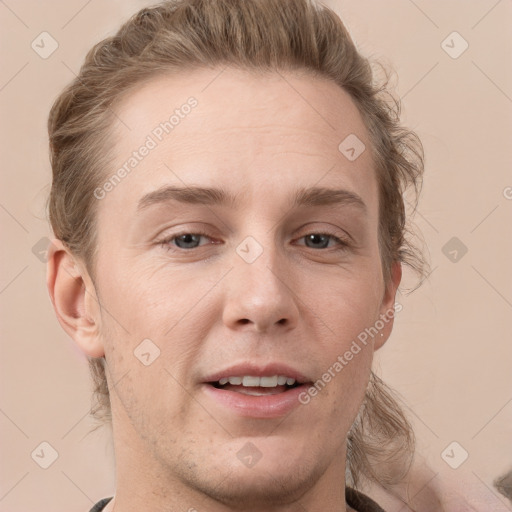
(451, 351)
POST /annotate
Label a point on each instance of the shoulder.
(100, 505)
(360, 502)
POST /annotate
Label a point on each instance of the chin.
(281, 476)
(259, 489)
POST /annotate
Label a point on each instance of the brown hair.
(257, 35)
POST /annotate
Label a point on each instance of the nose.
(260, 295)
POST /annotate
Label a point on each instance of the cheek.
(151, 300)
(153, 323)
(349, 310)
(149, 368)
(350, 303)
(341, 388)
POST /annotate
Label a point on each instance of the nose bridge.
(259, 291)
(259, 263)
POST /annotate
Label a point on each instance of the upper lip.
(255, 370)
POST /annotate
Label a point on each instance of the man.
(229, 240)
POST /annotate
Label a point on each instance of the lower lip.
(264, 406)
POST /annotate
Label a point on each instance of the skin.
(207, 308)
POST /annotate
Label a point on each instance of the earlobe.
(388, 310)
(74, 299)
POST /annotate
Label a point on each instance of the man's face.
(260, 287)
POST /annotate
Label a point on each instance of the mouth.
(249, 390)
(256, 386)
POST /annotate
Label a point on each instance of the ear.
(389, 307)
(74, 299)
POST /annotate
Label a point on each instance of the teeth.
(268, 382)
(264, 382)
(250, 381)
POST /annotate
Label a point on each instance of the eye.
(188, 241)
(185, 241)
(321, 241)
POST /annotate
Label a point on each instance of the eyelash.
(166, 243)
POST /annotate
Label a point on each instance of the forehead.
(239, 129)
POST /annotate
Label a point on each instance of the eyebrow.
(314, 196)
